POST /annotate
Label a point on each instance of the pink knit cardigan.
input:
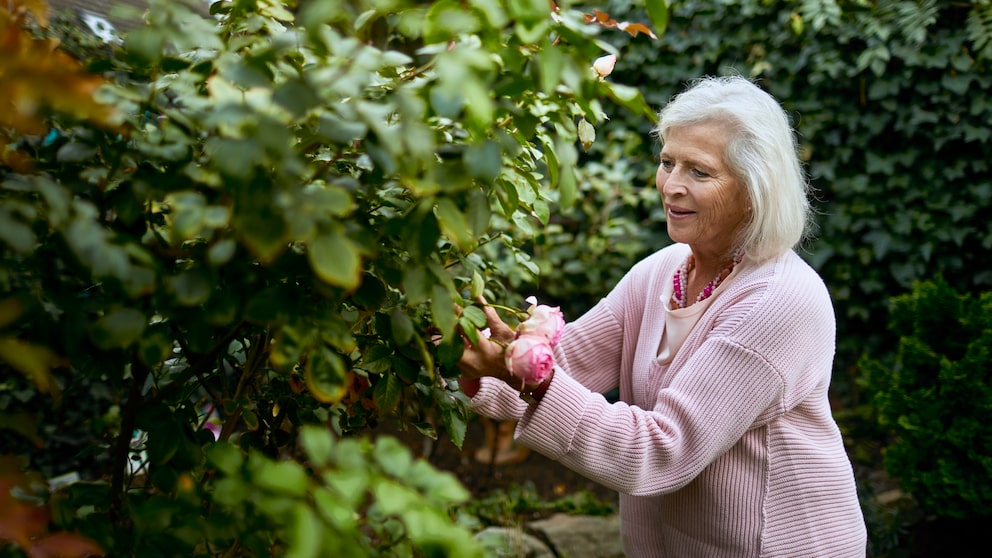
(731, 449)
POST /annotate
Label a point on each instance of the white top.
(680, 321)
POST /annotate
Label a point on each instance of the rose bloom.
(529, 358)
(544, 320)
(604, 65)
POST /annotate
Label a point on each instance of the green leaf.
(658, 13)
(118, 328)
(440, 486)
(280, 477)
(231, 492)
(236, 158)
(393, 498)
(551, 62)
(156, 344)
(318, 444)
(402, 326)
(226, 457)
(304, 533)
(296, 96)
(417, 285)
(16, 234)
(631, 99)
(325, 376)
(394, 457)
(457, 427)
(476, 316)
(351, 480)
(191, 288)
(484, 160)
(146, 44)
(443, 308)
(478, 285)
(567, 158)
(335, 259)
(386, 393)
(454, 224)
(332, 509)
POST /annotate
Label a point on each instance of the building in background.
(100, 18)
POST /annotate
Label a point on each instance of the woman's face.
(705, 204)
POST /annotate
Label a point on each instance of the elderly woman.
(722, 442)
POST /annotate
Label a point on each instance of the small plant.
(935, 399)
(519, 503)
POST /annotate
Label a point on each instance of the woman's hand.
(487, 357)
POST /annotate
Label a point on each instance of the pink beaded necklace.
(681, 279)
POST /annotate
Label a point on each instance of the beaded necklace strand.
(682, 277)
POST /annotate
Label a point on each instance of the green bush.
(210, 295)
(935, 398)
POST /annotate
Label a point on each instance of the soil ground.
(550, 479)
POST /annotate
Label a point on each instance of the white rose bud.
(604, 65)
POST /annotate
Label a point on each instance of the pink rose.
(543, 320)
(603, 65)
(529, 358)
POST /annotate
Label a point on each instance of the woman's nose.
(670, 183)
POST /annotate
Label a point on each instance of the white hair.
(762, 153)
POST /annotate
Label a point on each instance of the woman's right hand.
(487, 357)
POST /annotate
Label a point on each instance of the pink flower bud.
(544, 320)
(604, 65)
(529, 358)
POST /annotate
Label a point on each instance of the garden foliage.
(935, 399)
(213, 287)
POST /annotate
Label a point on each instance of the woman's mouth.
(676, 212)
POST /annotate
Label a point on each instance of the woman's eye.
(699, 174)
(666, 165)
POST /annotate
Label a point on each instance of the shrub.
(935, 398)
(228, 245)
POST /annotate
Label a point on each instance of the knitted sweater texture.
(731, 449)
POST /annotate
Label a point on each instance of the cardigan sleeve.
(643, 452)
